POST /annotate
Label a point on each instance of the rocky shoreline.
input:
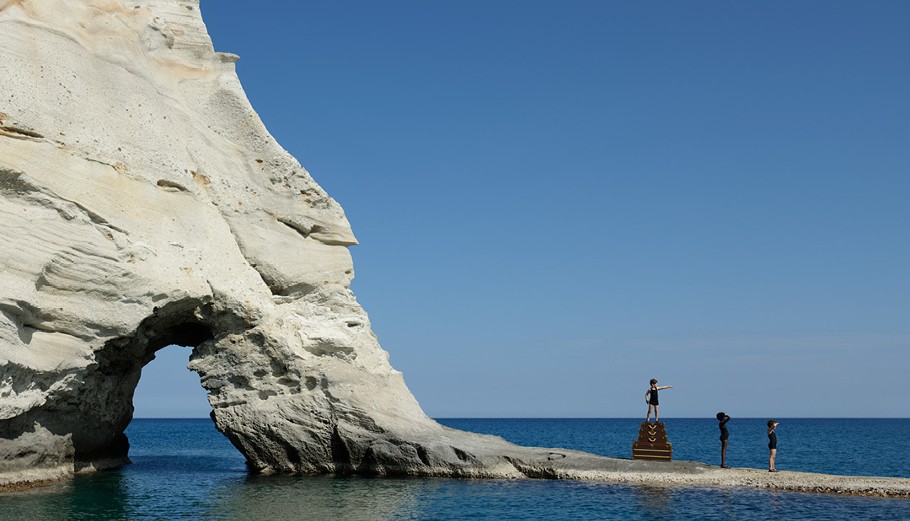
(789, 481)
(580, 466)
(683, 474)
(145, 204)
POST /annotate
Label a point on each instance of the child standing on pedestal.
(652, 400)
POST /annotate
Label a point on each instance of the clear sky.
(557, 201)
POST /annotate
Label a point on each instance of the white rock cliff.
(143, 203)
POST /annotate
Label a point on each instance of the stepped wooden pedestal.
(652, 443)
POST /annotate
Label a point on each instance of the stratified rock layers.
(144, 203)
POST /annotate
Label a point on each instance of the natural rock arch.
(91, 421)
(104, 414)
(143, 202)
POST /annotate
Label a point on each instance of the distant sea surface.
(185, 469)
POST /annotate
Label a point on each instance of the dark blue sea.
(185, 469)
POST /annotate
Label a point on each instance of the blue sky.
(557, 201)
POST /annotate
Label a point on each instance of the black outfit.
(652, 397)
(724, 434)
(772, 440)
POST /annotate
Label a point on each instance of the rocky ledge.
(144, 204)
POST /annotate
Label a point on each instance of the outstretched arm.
(665, 387)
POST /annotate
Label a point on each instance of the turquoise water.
(184, 469)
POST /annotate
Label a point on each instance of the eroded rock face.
(143, 203)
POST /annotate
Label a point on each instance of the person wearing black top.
(652, 400)
(772, 444)
(724, 435)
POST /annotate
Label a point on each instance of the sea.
(185, 469)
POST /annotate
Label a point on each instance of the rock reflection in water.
(656, 501)
(319, 497)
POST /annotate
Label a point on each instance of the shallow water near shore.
(184, 469)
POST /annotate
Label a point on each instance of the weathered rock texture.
(143, 203)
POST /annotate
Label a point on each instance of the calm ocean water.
(184, 469)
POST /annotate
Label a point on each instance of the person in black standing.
(772, 444)
(652, 400)
(724, 436)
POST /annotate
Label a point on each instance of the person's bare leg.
(723, 454)
(648, 417)
(771, 460)
(656, 414)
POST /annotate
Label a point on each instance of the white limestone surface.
(143, 203)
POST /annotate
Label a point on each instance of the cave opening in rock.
(171, 426)
(157, 353)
